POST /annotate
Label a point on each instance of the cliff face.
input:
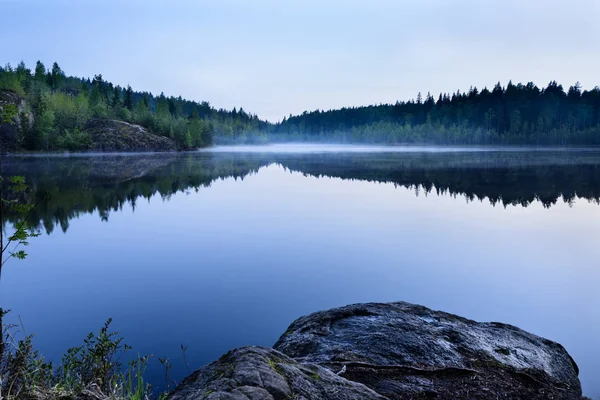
(391, 351)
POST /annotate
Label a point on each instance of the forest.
(62, 106)
(515, 114)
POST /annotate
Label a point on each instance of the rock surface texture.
(115, 136)
(391, 351)
(259, 373)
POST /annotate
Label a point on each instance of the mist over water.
(338, 148)
(361, 148)
(226, 247)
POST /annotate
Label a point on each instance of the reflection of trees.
(79, 185)
(83, 185)
(503, 178)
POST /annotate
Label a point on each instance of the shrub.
(74, 140)
(92, 370)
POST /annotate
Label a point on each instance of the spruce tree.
(116, 100)
(129, 98)
(40, 71)
(56, 76)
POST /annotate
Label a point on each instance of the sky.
(275, 57)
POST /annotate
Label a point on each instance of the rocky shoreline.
(97, 135)
(390, 351)
(107, 135)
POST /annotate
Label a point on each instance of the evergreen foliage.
(515, 114)
(512, 114)
(63, 105)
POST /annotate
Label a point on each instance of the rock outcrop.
(109, 135)
(261, 373)
(9, 131)
(105, 135)
(402, 350)
(391, 351)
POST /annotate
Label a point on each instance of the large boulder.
(402, 350)
(391, 351)
(109, 135)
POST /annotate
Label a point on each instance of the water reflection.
(105, 183)
(256, 244)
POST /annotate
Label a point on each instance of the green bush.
(124, 114)
(74, 140)
(10, 81)
(92, 370)
(69, 112)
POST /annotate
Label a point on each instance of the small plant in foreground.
(93, 370)
(11, 191)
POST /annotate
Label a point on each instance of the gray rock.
(115, 136)
(390, 351)
(256, 373)
(402, 351)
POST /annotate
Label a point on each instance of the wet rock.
(256, 373)
(402, 350)
(391, 351)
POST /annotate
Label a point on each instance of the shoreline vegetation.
(46, 110)
(95, 370)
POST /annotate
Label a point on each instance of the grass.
(93, 370)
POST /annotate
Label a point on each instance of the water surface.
(226, 247)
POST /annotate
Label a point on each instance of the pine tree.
(56, 76)
(40, 71)
(129, 98)
(116, 100)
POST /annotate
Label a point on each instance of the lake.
(225, 247)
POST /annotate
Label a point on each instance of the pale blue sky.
(279, 57)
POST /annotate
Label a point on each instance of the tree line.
(511, 114)
(59, 107)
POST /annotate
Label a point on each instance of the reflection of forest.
(75, 185)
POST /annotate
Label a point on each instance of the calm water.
(223, 248)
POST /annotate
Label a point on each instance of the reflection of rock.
(86, 182)
(85, 169)
(391, 351)
(112, 135)
(117, 169)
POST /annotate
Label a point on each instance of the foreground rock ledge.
(391, 351)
